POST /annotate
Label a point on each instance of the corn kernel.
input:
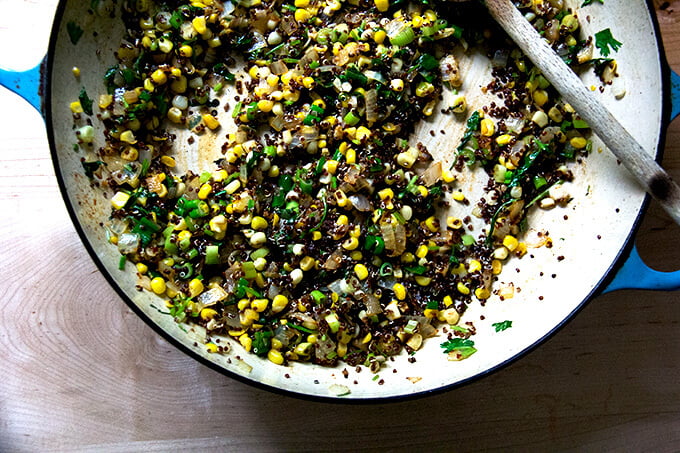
(158, 285)
(462, 288)
(259, 305)
(195, 287)
(316, 235)
(76, 107)
(351, 243)
(379, 36)
(259, 223)
(361, 271)
(210, 121)
(496, 267)
(142, 268)
(510, 242)
(246, 342)
(211, 348)
(342, 220)
(421, 251)
(351, 156)
(482, 293)
(302, 15)
(159, 77)
(399, 291)
(504, 139)
(474, 266)
(540, 97)
(208, 313)
(279, 303)
(448, 176)
(578, 142)
(186, 51)
(447, 301)
(204, 191)
(119, 200)
(199, 24)
(382, 5)
(488, 127)
(458, 196)
(432, 224)
(331, 166)
(307, 263)
(422, 280)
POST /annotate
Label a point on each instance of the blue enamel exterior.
(24, 83)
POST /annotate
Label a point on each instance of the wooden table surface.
(81, 372)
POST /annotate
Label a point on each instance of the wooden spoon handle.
(640, 164)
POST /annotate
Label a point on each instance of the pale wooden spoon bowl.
(620, 142)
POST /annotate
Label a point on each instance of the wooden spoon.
(626, 149)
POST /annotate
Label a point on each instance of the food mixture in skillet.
(327, 232)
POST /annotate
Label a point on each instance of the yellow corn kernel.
(159, 77)
(342, 220)
(510, 242)
(382, 5)
(331, 166)
(356, 255)
(279, 303)
(246, 342)
(540, 97)
(448, 176)
(454, 222)
(379, 36)
(462, 288)
(399, 291)
(504, 139)
(362, 133)
(447, 301)
(179, 85)
(142, 268)
(351, 156)
(421, 251)
(430, 313)
(210, 121)
(488, 127)
(361, 271)
(316, 235)
(168, 161)
(119, 200)
(105, 100)
(76, 107)
(496, 267)
(308, 82)
(458, 196)
(355, 232)
(302, 15)
(208, 313)
(184, 235)
(351, 243)
(341, 199)
(274, 355)
(218, 224)
(186, 51)
(423, 281)
(307, 263)
(432, 224)
(204, 191)
(482, 293)
(259, 223)
(195, 287)
(130, 153)
(259, 305)
(199, 24)
(397, 85)
(211, 348)
(158, 285)
(521, 249)
(113, 240)
(407, 257)
(578, 142)
(474, 266)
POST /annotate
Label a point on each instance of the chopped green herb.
(464, 347)
(604, 40)
(74, 32)
(501, 326)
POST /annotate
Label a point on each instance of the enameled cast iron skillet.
(595, 241)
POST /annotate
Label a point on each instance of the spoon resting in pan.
(627, 150)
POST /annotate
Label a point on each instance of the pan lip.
(606, 278)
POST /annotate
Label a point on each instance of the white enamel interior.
(600, 218)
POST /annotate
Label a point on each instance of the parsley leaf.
(464, 347)
(604, 40)
(590, 2)
(501, 326)
(85, 101)
(74, 32)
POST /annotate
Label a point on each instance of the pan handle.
(24, 83)
(635, 274)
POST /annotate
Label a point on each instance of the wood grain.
(80, 372)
